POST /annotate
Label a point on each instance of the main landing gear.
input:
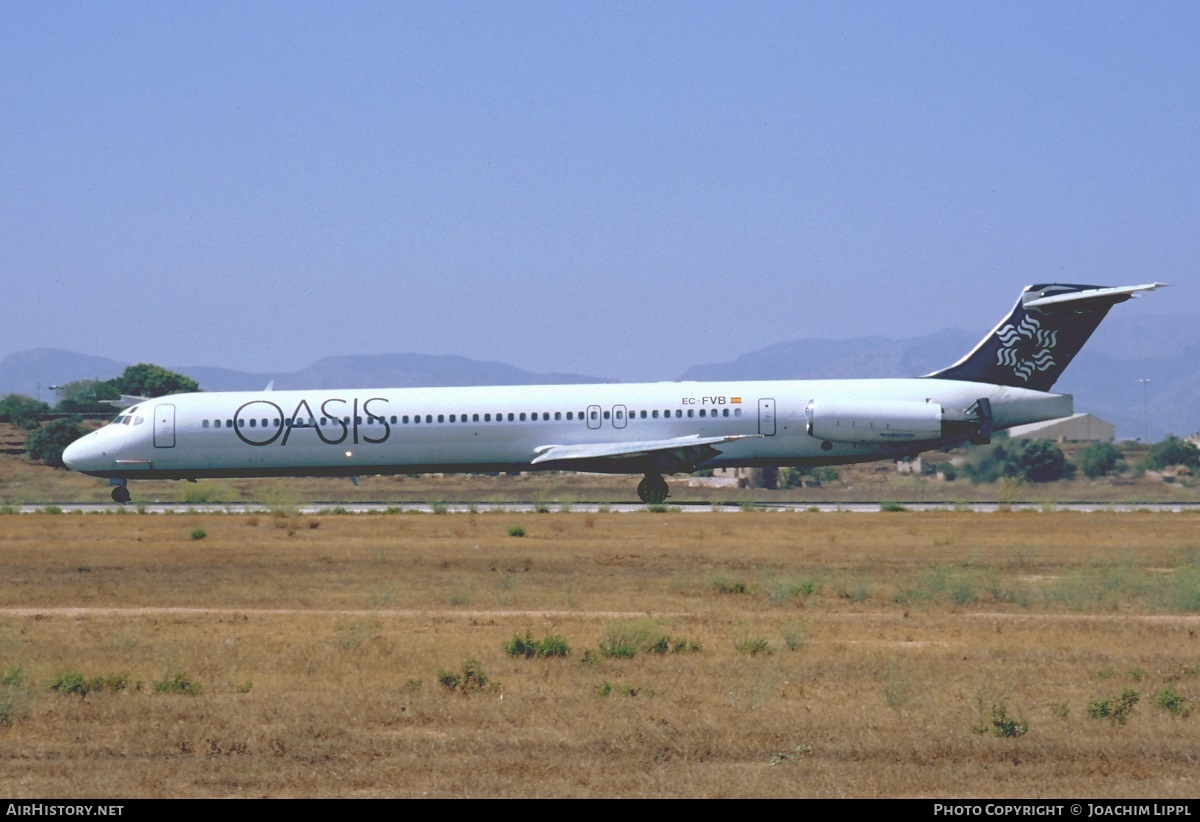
(119, 492)
(653, 489)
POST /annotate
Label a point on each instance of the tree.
(1028, 460)
(22, 411)
(47, 443)
(145, 380)
(1042, 461)
(84, 396)
(1100, 459)
(1173, 451)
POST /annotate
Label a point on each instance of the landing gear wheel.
(653, 490)
(120, 494)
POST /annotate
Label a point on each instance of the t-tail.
(1032, 346)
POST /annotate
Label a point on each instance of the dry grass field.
(727, 654)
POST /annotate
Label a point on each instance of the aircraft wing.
(676, 454)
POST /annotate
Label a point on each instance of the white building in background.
(1076, 428)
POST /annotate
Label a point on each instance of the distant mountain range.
(1104, 377)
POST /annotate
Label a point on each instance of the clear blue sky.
(619, 189)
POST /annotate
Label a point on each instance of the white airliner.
(651, 429)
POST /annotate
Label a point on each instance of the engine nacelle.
(874, 421)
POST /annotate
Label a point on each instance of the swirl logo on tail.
(1026, 347)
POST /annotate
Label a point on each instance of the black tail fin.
(1032, 346)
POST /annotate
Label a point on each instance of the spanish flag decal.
(735, 399)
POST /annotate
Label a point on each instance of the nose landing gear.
(119, 492)
(653, 489)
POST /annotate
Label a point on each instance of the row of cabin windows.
(428, 419)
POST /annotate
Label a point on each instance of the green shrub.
(198, 533)
(75, 684)
(472, 678)
(1022, 460)
(782, 590)
(891, 507)
(1116, 708)
(22, 411)
(555, 646)
(528, 647)
(753, 646)
(47, 443)
(1100, 459)
(14, 693)
(1171, 702)
(1173, 451)
(626, 638)
(1002, 724)
(794, 636)
(176, 682)
(516, 531)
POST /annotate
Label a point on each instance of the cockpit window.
(125, 417)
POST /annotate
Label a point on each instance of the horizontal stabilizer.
(1111, 295)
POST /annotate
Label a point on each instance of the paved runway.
(588, 507)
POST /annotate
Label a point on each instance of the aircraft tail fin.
(1032, 346)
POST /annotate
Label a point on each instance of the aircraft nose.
(79, 455)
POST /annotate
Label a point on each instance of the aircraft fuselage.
(416, 430)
